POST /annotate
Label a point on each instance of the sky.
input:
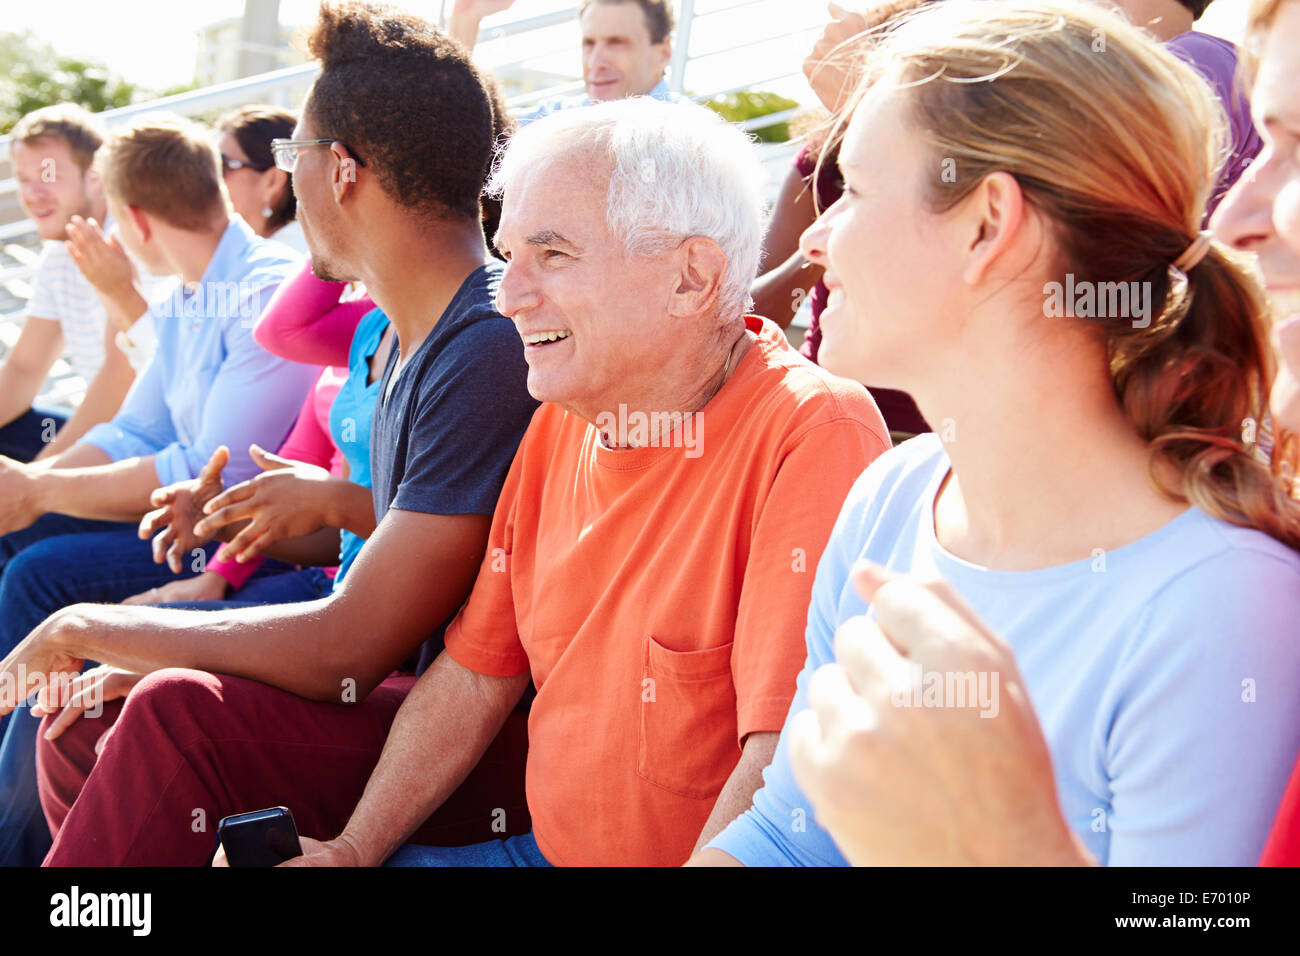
(153, 42)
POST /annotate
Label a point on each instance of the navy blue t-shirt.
(443, 441)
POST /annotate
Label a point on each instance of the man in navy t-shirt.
(388, 176)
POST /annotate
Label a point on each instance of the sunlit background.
(165, 44)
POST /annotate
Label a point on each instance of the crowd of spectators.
(447, 476)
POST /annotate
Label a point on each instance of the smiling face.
(52, 187)
(1262, 212)
(882, 251)
(593, 319)
(618, 59)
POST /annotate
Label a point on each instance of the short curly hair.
(408, 99)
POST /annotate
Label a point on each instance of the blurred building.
(245, 46)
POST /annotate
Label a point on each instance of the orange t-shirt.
(659, 596)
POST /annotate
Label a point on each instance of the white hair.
(679, 170)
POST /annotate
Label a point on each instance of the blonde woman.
(1089, 494)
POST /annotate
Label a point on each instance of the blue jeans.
(56, 562)
(24, 437)
(516, 851)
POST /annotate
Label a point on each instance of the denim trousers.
(24, 437)
(515, 851)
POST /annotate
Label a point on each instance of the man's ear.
(344, 178)
(994, 214)
(703, 268)
(94, 182)
(665, 52)
(140, 221)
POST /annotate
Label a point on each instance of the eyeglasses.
(285, 151)
(227, 164)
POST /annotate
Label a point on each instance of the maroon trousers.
(188, 748)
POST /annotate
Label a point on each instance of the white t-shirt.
(61, 292)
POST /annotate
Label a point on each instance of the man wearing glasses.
(388, 162)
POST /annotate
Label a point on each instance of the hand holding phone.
(261, 838)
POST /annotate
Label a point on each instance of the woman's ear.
(995, 213)
(275, 183)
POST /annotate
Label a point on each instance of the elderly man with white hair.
(649, 563)
(651, 556)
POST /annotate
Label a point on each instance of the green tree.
(33, 75)
(748, 104)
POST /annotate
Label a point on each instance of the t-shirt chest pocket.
(687, 731)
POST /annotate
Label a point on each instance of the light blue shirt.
(208, 383)
(1164, 674)
(660, 92)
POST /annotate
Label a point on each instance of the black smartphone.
(261, 838)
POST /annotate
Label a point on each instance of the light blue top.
(660, 92)
(208, 383)
(350, 417)
(1164, 674)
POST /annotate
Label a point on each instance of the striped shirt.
(62, 293)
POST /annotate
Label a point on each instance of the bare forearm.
(418, 571)
(28, 362)
(464, 28)
(114, 491)
(103, 399)
(778, 293)
(124, 307)
(738, 793)
(80, 455)
(441, 732)
(350, 506)
(17, 391)
(281, 645)
(317, 550)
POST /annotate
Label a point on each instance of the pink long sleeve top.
(306, 322)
